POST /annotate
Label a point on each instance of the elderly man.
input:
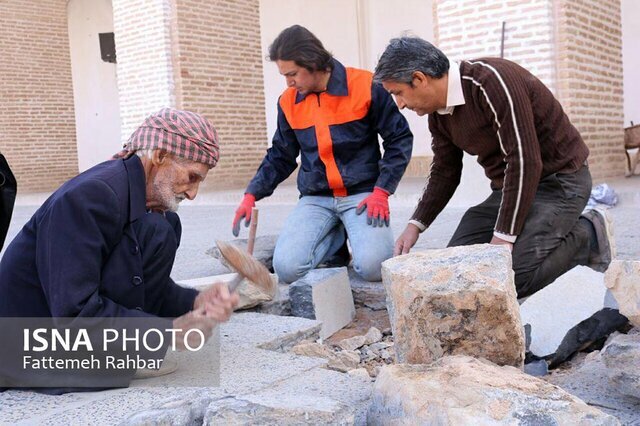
(104, 243)
(331, 115)
(8, 187)
(533, 155)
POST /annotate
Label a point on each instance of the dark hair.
(299, 45)
(406, 55)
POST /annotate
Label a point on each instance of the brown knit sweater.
(516, 128)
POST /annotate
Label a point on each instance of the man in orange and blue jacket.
(331, 116)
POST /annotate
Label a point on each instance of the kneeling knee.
(371, 271)
(288, 270)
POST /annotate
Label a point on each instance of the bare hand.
(500, 242)
(217, 302)
(197, 320)
(406, 240)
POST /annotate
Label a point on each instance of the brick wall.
(590, 78)
(37, 122)
(144, 53)
(573, 46)
(220, 75)
(469, 29)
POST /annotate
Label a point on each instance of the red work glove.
(244, 210)
(377, 205)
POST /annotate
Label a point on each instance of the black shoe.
(604, 249)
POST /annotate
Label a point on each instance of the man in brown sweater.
(535, 158)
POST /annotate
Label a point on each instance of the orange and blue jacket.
(336, 134)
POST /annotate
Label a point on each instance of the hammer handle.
(252, 230)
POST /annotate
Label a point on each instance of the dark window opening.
(107, 47)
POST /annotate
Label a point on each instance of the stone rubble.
(352, 353)
(622, 358)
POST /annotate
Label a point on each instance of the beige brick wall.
(37, 123)
(220, 75)
(573, 46)
(589, 62)
(144, 53)
(473, 28)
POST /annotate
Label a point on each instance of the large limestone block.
(460, 390)
(553, 311)
(250, 294)
(622, 358)
(460, 300)
(623, 280)
(324, 295)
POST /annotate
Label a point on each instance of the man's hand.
(244, 210)
(195, 319)
(406, 240)
(500, 242)
(377, 205)
(211, 307)
(216, 302)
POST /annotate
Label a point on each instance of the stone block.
(368, 294)
(262, 250)
(623, 280)
(282, 410)
(250, 294)
(280, 305)
(622, 358)
(461, 390)
(352, 390)
(324, 295)
(553, 311)
(460, 300)
(270, 332)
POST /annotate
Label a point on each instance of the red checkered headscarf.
(181, 133)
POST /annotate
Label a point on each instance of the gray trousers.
(554, 238)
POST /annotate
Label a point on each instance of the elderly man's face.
(172, 180)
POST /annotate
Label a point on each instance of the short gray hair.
(406, 55)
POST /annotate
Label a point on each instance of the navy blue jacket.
(78, 255)
(336, 133)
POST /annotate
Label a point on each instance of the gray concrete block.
(100, 408)
(322, 385)
(270, 332)
(245, 370)
(325, 295)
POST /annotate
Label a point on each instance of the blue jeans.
(315, 230)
